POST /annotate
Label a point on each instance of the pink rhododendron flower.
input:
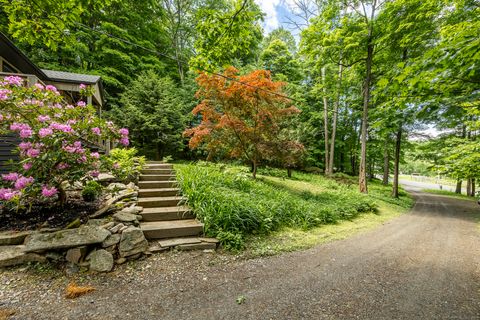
(23, 182)
(82, 159)
(96, 130)
(44, 132)
(13, 80)
(63, 166)
(83, 86)
(49, 192)
(51, 88)
(27, 166)
(25, 145)
(81, 104)
(71, 121)
(95, 173)
(61, 127)
(124, 141)
(19, 126)
(12, 176)
(26, 133)
(39, 86)
(4, 94)
(43, 118)
(33, 153)
(123, 131)
(8, 194)
(95, 155)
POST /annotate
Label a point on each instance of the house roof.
(15, 56)
(71, 77)
(19, 60)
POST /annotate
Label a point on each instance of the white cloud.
(269, 7)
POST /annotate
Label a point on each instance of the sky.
(276, 13)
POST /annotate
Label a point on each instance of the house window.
(8, 68)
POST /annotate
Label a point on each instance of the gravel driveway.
(423, 265)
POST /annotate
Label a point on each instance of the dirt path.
(423, 265)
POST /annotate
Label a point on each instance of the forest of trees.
(367, 75)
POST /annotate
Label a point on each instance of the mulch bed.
(49, 216)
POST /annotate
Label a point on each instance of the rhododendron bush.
(54, 138)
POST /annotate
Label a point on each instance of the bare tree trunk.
(469, 187)
(362, 176)
(289, 172)
(396, 168)
(473, 187)
(325, 122)
(458, 188)
(335, 116)
(386, 163)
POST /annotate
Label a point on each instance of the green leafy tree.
(155, 110)
(227, 34)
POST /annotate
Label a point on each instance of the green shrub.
(125, 164)
(233, 205)
(91, 191)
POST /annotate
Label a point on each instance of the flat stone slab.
(123, 216)
(197, 246)
(210, 240)
(8, 238)
(15, 255)
(63, 239)
(178, 241)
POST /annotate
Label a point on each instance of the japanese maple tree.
(243, 117)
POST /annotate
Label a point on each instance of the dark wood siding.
(8, 143)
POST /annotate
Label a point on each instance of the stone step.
(158, 192)
(153, 202)
(158, 166)
(157, 177)
(171, 229)
(166, 213)
(157, 171)
(157, 184)
(188, 243)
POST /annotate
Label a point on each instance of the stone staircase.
(166, 222)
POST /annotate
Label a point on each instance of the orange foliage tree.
(244, 117)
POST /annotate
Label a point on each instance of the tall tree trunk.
(386, 163)
(325, 121)
(362, 176)
(398, 144)
(473, 188)
(458, 188)
(469, 187)
(335, 116)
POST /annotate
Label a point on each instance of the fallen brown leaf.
(6, 313)
(74, 291)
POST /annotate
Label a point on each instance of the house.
(14, 62)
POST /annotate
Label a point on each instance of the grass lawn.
(275, 214)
